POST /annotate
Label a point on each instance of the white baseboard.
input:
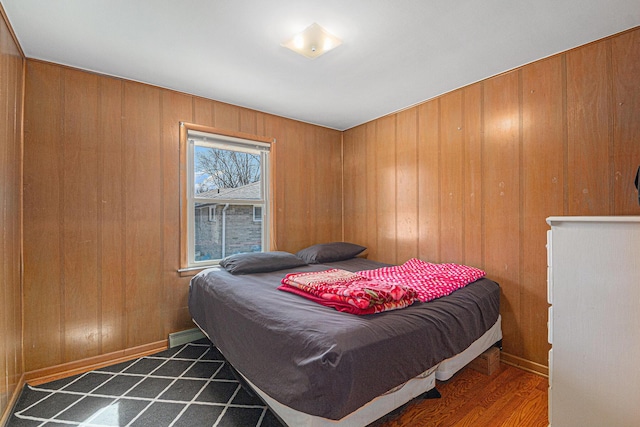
(183, 337)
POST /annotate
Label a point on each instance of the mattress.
(324, 363)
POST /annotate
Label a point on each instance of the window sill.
(192, 271)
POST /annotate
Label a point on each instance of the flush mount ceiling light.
(313, 41)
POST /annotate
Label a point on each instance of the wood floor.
(508, 397)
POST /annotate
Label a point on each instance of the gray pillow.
(330, 252)
(260, 262)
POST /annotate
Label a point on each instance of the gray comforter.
(323, 362)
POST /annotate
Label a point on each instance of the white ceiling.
(394, 53)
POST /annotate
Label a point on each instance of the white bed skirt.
(448, 367)
(393, 399)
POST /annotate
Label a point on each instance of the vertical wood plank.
(355, 182)
(176, 108)
(260, 124)
(80, 216)
(6, 143)
(328, 207)
(429, 181)
(247, 119)
(309, 178)
(588, 130)
(452, 178)
(11, 343)
(15, 366)
(203, 111)
(297, 209)
(626, 132)
(473, 219)
(143, 217)
(386, 170)
(501, 193)
(112, 214)
(542, 193)
(371, 183)
(42, 217)
(226, 116)
(406, 177)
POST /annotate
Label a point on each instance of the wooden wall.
(101, 202)
(468, 177)
(471, 176)
(11, 96)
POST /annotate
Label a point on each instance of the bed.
(315, 366)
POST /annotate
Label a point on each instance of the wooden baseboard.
(524, 364)
(52, 373)
(8, 410)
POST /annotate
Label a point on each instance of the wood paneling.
(355, 178)
(452, 177)
(11, 90)
(327, 207)
(226, 116)
(428, 181)
(203, 112)
(79, 242)
(308, 187)
(175, 108)
(111, 225)
(291, 154)
(102, 206)
(501, 187)
(406, 191)
(542, 193)
(626, 132)
(372, 193)
(386, 202)
(44, 332)
(494, 160)
(143, 212)
(589, 137)
(468, 177)
(472, 107)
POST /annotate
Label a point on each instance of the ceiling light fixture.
(313, 41)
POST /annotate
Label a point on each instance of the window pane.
(257, 213)
(226, 174)
(225, 229)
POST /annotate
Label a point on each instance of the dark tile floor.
(190, 385)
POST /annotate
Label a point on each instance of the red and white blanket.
(382, 289)
(348, 292)
(430, 281)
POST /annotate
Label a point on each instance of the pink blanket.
(349, 292)
(430, 281)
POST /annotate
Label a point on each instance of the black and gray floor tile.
(190, 385)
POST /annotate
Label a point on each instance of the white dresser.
(594, 321)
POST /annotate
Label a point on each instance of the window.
(257, 213)
(225, 195)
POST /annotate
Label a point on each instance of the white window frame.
(212, 213)
(220, 139)
(257, 218)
